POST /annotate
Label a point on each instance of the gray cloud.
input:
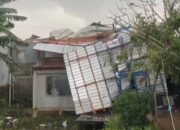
(46, 15)
(89, 9)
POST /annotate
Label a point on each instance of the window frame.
(46, 86)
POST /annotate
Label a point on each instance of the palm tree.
(7, 38)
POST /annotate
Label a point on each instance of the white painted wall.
(4, 71)
(41, 100)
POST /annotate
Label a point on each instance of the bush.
(114, 123)
(133, 106)
(150, 127)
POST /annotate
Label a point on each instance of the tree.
(130, 111)
(133, 107)
(157, 31)
(7, 38)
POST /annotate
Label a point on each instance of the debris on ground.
(65, 124)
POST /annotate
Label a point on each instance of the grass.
(25, 120)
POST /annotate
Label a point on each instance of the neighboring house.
(22, 56)
(25, 57)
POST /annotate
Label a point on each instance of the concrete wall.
(41, 100)
(4, 71)
(22, 87)
(30, 55)
(23, 76)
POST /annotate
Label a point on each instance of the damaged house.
(51, 90)
(95, 85)
(21, 80)
(50, 85)
(71, 71)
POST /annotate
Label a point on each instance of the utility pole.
(10, 88)
(10, 79)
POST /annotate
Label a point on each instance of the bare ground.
(165, 120)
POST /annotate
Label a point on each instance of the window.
(20, 55)
(57, 85)
(139, 81)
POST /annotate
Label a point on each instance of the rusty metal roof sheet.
(99, 36)
(64, 46)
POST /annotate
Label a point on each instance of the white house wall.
(4, 71)
(41, 100)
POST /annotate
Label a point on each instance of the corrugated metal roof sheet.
(71, 45)
(91, 30)
(62, 49)
(61, 34)
(93, 85)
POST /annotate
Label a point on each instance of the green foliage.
(7, 38)
(172, 61)
(114, 123)
(8, 60)
(109, 62)
(2, 2)
(149, 127)
(138, 65)
(133, 107)
(156, 33)
(161, 40)
(130, 111)
(122, 56)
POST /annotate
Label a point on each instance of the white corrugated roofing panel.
(160, 83)
(60, 34)
(90, 30)
(93, 84)
(56, 48)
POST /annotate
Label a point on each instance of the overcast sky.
(47, 15)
